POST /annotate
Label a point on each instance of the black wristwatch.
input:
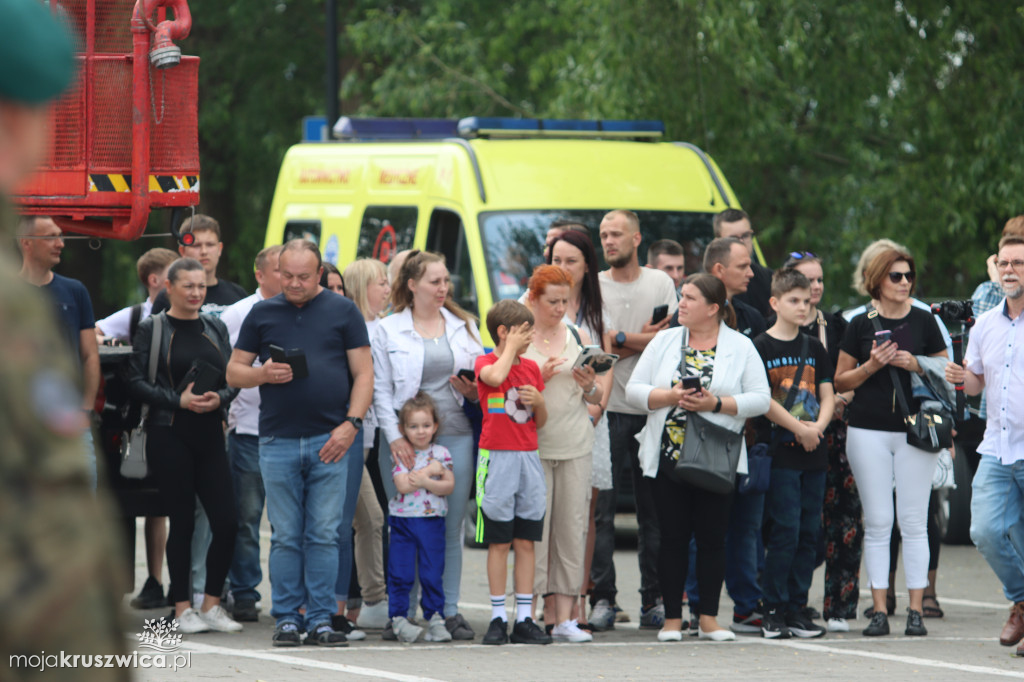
(356, 422)
(620, 339)
(718, 405)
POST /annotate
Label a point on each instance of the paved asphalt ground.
(962, 645)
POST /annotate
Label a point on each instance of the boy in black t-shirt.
(794, 428)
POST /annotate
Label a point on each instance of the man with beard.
(630, 294)
(993, 364)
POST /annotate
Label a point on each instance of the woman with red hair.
(565, 443)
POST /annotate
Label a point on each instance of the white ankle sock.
(498, 607)
(524, 606)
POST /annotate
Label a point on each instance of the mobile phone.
(296, 357)
(660, 313)
(466, 374)
(691, 382)
(882, 336)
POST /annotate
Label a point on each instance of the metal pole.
(331, 32)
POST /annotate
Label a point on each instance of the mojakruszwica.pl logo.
(158, 636)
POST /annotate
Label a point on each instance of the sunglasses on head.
(895, 277)
(798, 255)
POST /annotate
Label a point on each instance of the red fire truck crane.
(125, 136)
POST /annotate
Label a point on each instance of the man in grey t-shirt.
(630, 293)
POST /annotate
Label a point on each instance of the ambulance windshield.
(514, 241)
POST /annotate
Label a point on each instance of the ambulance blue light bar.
(476, 126)
(349, 128)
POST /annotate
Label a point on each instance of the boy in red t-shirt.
(513, 498)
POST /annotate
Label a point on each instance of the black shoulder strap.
(133, 321)
(576, 335)
(805, 347)
(897, 387)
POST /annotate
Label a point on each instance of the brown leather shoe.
(1013, 631)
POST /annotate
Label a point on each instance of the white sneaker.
(837, 625)
(569, 631)
(718, 635)
(373, 616)
(404, 630)
(218, 619)
(190, 623)
(670, 635)
(436, 631)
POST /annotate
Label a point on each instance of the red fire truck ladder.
(125, 136)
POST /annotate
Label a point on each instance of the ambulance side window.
(447, 235)
(386, 230)
(302, 229)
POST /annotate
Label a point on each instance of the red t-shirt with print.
(508, 424)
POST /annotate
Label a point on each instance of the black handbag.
(710, 453)
(931, 429)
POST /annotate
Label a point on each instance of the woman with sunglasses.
(842, 525)
(877, 446)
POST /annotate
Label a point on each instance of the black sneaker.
(773, 625)
(810, 613)
(151, 596)
(915, 625)
(287, 635)
(803, 627)
(323, 634)
(878, 626)
(497, 632)
(245, 611)
(527, 632)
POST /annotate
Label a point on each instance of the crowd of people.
(361, 408)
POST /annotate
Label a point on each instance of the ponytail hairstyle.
(713, 291)
(413, 268)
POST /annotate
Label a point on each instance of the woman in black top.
(185, 438)
(842, 527)
(877, 446)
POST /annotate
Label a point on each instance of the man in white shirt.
(244, 451)
(152, 270)
(995, 363)
(630, 294)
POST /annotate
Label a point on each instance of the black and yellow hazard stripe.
(120, 182)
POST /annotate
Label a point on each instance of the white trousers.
(877, 459)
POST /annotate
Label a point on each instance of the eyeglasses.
(798, 255)
(895, 277)
(1017, 263)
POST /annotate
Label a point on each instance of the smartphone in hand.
(466, 374)
(659, 313)
(882, 336)
(691, 382)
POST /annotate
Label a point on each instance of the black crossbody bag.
(931, 429)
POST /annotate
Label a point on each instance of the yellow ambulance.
(483, 191)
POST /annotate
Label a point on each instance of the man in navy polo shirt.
(309, 421)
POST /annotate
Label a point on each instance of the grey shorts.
(514, 496)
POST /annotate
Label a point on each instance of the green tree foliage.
(836, 122)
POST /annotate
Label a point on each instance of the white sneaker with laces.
(190, 623)
(373, 616)
(837, 625)
(218, 619)
(436, 630)
(569, 631)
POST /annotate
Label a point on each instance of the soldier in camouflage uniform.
(60, 584)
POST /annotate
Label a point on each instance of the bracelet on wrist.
(865, 369)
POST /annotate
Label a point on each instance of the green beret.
(37, 57)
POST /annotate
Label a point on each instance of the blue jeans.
(417, 549)
(742, 544)
(793, 506)
(246, 573)
(464, 465)
(305, 498)
(997, 505)
(353, 461)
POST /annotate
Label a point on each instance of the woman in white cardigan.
(734, 387)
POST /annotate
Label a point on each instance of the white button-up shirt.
(996, 351)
